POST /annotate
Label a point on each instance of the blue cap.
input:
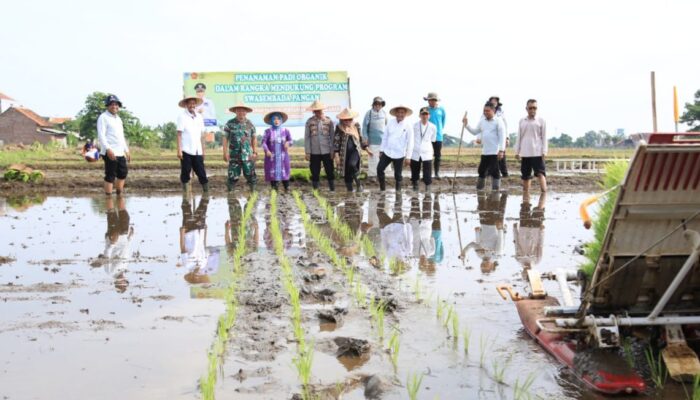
(112, 99)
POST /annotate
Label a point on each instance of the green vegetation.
(691, 116)
(521, 390)
(394, 345)
(499, 369)
(657, 368)
(413, 383)
(614, 173)
(377, 309)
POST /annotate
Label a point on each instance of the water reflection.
(489, 237)
(117, 242)
(425, 218)
(529, 232)
(396, 234)
(232, 227)
(24, 202)
(199, 261)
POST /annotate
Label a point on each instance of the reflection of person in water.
(352, 213)
(232, 228)
(199, 260)
(117, 242)
(424, 243)
(397, 236)
(529, 236)
(490, 236)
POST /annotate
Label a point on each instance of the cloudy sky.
(587, 62)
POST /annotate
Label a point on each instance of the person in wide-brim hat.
(432, 96)
(183, 102)
(241, 106)
(347, 114)
(316, 106)
(393, 110)
(268, 117)
(347, 143)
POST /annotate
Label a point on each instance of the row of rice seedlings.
(341, 229)
(499, 369)
(397, 266)
(521, 390)
(304, 358)
(227, 320)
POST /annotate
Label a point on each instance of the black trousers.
(427, 171)
(489, 164)
(384, 162)
(437, 156)
(315, 167)
(189, 163)
(503, 166)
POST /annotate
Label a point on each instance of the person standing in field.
(437, 117)
(347, 145)
(531, 147)
(190, 128)
(397, 146)
(114, 150)
(276, 143)
(493, 138)
(424, 134)
(373, 128)
(318, 145)
(240, 145)
(502, 163)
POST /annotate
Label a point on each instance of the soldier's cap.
(200, 87)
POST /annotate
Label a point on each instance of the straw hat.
(431, 96)
(316, 105)
(184, 101)
(240, 105)
(347, 114)
(408, 110)
(268, 117)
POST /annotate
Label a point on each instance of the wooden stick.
(653, 99)
(459, 151)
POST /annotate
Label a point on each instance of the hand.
(179, 154)
(507, 141)
(369, 152)
(501, 154)
(202, 155)
(407, 162)
(128, 156)
(254, 156)
(227, 157)
(286, 145)
(307, 156)
(465, 121)
(268, 154)
(544, 156)
(381, 154)
(110, 155)
(478, 141)
(517, 157)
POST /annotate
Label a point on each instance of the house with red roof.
(22, 125)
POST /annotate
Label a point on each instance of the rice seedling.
(696, 387)
(377, 309)
(499, 369)
(360, 294)
(394, 345)
(656, 368)
(627, 351)
(417, 291)
(466, 336)
(448, 317)
(482, 349)
(303, 361)
(440, 308)
(396, 266)
(455, 326)
(521, 390)
(413, 383)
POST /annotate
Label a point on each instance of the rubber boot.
(496, 184)
(251, 186)
(382, 184)
(480, 183)
(230, 185)
(427, 188)
(273, 185)
(398, 186)
(285, 184)
(185, 187)
(415, 185)
(331, 185)
(348, 186)
(358, 184)
(314, 184)
(205, 187)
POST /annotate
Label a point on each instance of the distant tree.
(563, 140)
(512, 138)
(168, 133)
(692, 114)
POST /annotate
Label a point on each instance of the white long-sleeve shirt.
(397, 141)
(110, 134)
(532, 138)
(493, 135)
(423, 138)
(191, 128)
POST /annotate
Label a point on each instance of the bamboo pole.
(459, 151)
(653, 99)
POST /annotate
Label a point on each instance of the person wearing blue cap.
(114, 149)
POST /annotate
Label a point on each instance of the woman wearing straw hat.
(190, 128)
(348, 142)
(240, 145)
(318, 145)
(276, 142)
(397, 145)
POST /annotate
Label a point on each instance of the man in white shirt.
(493, 137)
(114, 150)
(424, 134)
(190, 151)
(531, 147)
(396, 147)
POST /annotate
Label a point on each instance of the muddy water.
(100, 301)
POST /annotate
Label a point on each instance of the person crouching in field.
(115, 151)
(90, 152)
(493, 137)
(276, 143)
(190, 128)
(347, 145)
(424, 134)
(397, 146)
(531, 147)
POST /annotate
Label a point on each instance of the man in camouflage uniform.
(240, 145)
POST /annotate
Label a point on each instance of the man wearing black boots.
(493, 137)
(318, 145)
(397, 146)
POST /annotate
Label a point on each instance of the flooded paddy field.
(363, 295)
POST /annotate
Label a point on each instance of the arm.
(386, 133)
(179, 145)
(545, 143)
(433, 135)
(336, 142)
(365, 124)
(474, 131)
(331, 134)
(307, 140)
(409, 144)
(501, 137)
(102, 134)
(224, 143)
(254, 142)
(518, 139)
(287, 139)
(444, 117)
(266, 138)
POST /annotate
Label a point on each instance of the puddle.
(131, 289)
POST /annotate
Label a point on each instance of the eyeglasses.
(532, 108)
